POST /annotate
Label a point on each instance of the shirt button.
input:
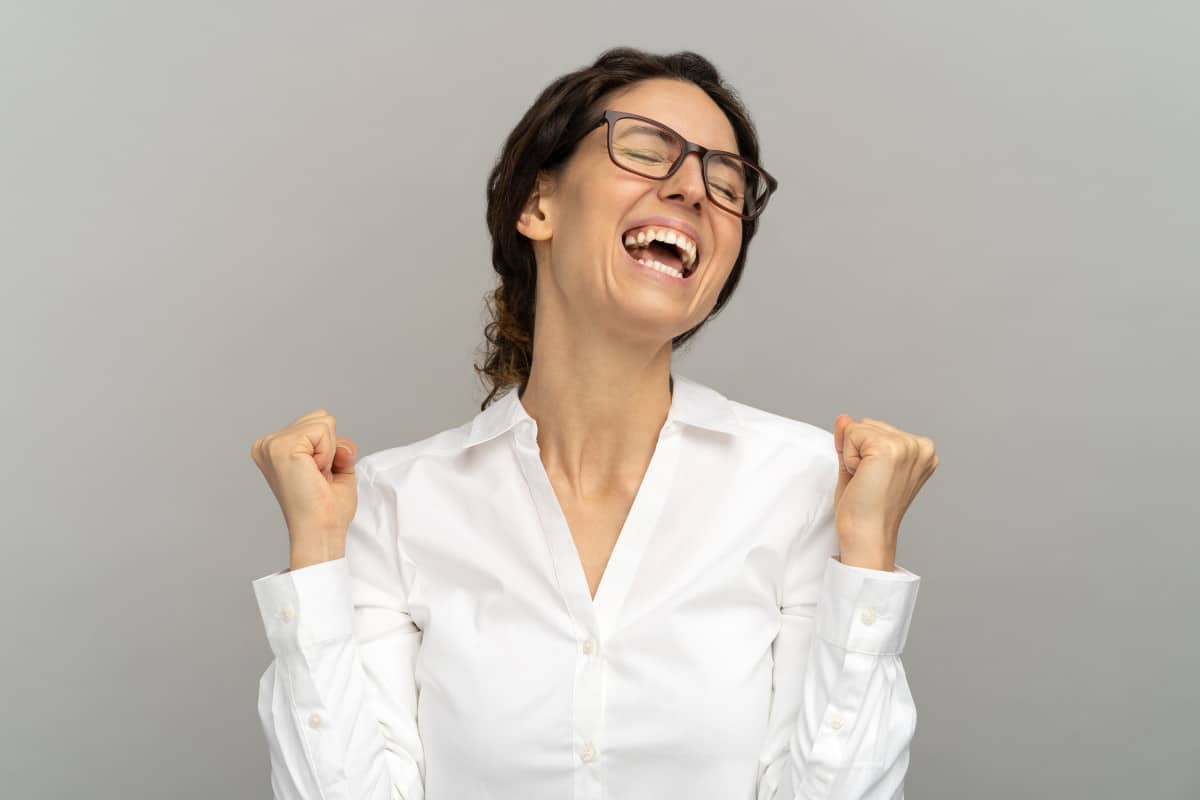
(869, 615)
(837, 721)
(587, 752)
(314, 721)
(589, 647)
(286, 613)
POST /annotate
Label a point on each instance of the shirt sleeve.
(842, 718)
(338, 702)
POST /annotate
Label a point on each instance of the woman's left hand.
(881, 469)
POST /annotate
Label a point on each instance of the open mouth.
(664, 249)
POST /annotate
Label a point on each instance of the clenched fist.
(880, 470)
(311, 472)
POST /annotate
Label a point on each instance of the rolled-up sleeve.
(338, 702)
(842, 717)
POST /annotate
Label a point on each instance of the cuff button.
(869, 615)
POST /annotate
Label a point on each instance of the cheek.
(732, 245)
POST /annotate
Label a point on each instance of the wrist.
(868, 560)
(302, 557)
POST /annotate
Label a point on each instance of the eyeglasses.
(648, 148)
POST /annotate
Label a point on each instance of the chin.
(651, 319)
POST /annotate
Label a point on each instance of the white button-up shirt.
(456, 652)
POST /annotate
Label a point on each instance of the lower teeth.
(661, 268)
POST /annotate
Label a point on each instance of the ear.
(534, 221)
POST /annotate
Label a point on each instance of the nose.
(687, 184)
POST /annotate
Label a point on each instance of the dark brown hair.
(543, 141)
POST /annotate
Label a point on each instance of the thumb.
(839, 443)
(344, 457)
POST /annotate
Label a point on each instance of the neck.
(599, 413)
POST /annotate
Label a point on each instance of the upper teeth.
(669, 235)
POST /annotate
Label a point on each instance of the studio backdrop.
(216, 217)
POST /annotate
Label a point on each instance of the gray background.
(215, 217)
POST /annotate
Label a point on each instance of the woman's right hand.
(311, 472)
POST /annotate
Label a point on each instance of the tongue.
(660, 252)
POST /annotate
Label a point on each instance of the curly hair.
(542, 141)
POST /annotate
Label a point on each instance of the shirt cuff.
(306, 607)
(865, 610)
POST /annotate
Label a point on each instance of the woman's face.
(581, 219)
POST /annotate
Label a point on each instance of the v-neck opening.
(616, 580)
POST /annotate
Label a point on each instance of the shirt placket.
(587, 698)
(588, 717)
(593, 621)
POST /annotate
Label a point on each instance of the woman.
(614, 581)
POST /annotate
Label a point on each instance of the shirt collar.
(692, 403)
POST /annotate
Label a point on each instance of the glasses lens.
(737, 185)
(644, 148)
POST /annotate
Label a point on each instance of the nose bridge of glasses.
(685, 160)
